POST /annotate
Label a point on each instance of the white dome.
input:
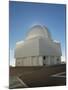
(38, 31)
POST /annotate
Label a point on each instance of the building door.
(58, 60)
(44, 60)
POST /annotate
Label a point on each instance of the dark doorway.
(44, 57)
(44, 60)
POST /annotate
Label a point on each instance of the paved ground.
(61, 74)
(37, 76)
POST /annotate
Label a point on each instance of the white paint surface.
(38, 43)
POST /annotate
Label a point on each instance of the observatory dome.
(38, 31)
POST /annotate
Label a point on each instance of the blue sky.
(23, 15)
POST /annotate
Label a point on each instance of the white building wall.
(48, 61)
(40, 60)
(19, 62)
(55, 60)
(49, 48)
(30, 48)
(32, 51)
(34, 60)
(29, 61)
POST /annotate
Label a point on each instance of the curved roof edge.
(38, 30)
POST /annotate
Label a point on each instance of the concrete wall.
(38, 47)
(48, 61)
(29, 61)
(55, 60)
(32, 51)
(49, 48)
(29, 48)
(38, 61)
(51, 60)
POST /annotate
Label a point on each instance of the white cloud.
(12, 59)
(63, 59)
(20, 42)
